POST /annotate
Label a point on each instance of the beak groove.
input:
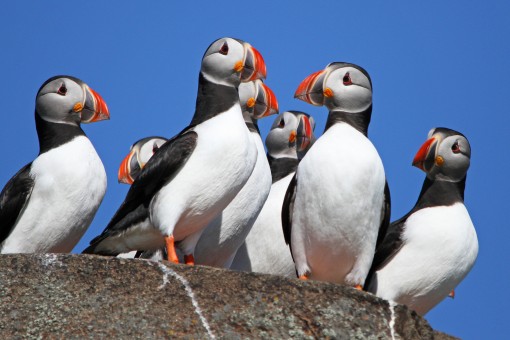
(310, 89)
(95, 108)
(267, 99)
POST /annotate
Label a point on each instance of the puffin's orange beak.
(422, 154)
(310, 90)
(124, 174)
(95, 108)
(304, 133)
(254, 66)
(266, 103)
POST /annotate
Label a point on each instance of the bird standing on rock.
(227, 231)
(223, 236)
(49, 204)
(264, 250)
(430, 250)
(196, 174)
(337, 203)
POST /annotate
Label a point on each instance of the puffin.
(337, 203)
(192, 177)
(432, 248)
(139, 154)
(264, 250)
(227, 231)
(49, 204)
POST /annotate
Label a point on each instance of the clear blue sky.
(432, 64)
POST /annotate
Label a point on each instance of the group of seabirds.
(318, 208)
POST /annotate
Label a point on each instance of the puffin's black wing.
(288, 208)
(13, 199)
(386, 215)
(160, 169)
(389, 247)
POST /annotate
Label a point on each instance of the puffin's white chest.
(265, 250)
(225, 234)
(70, 182)
(440, 248)
(219, 166)
(337, 212)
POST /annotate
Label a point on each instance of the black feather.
(159, 170)
(13, 199)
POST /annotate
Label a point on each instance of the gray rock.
(79, 296)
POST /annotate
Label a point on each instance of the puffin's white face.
(230, 61)
(445, 155)
(291, 135)
(68, 100)
(340, 86)
(347, 89)
(223, 61)
(146, 149)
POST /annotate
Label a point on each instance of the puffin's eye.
(62, 90)
(456, 147)
(282, 123)
(224, 48)
(347, 79)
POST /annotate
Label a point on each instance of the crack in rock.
(393, 319)
(167, 271)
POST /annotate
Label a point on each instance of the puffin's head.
(257, 99)
(230, 61)
(68, 100)
(139, 154)
(340, 87)
(445, 155)
(291, 135)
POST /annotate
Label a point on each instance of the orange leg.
(452, 294)
(189, 259)
(304, 277)
(170, 249)
(358, 287)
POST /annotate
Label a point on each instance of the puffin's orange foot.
(358, 287)
(305, 276)
(189, 259)
(170, 249)
(452, 294)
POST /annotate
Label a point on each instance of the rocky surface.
(78, 296)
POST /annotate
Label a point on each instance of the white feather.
(440, 248)
(70, 182)
(337, 210)
(220, 165)
(265, 250)
(225, 234)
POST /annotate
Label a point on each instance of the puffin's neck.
(440, 193)
(358, 120)
(52, 135)
(251, 124)
(281, 167)
(213, 99)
